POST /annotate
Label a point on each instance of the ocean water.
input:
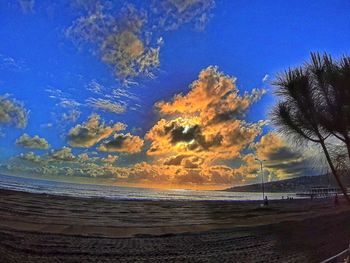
(124, 193)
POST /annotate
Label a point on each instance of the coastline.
(61, 219)
(101, 191)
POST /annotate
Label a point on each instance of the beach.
(48, 228)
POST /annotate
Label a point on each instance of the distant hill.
(297, 184)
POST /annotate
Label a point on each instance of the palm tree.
(297, 114)
(331, 84)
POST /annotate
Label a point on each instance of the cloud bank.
(200, 141)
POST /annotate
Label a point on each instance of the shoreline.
(155, 199)
(140, 194)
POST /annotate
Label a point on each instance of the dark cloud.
(12, 112)
(32, 142)
(64, 154)
(93, 131)
(175, 160)
(192, 135)
(283, 154)
(30, 157)
(186, 161)
(292, 168)
(184, 134)
(122, 143)
(280, 158)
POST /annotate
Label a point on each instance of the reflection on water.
(123, 193)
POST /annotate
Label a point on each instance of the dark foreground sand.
(41, 228)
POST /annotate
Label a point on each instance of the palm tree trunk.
(347, 142)
(334, 171)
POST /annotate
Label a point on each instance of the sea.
(126, 193)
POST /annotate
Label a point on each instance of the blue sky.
(245, 39)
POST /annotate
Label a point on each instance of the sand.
(42, 228)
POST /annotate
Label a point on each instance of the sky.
(168, 93)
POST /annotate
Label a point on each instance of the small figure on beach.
(266, 201)
(336, 200)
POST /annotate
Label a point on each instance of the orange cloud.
(120, 39)
(213, 97)
(206, 121)
(201, 128)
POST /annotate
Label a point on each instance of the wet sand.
(42, 228)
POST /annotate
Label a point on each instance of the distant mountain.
(297, 184)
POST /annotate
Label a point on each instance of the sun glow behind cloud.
(197, 132)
